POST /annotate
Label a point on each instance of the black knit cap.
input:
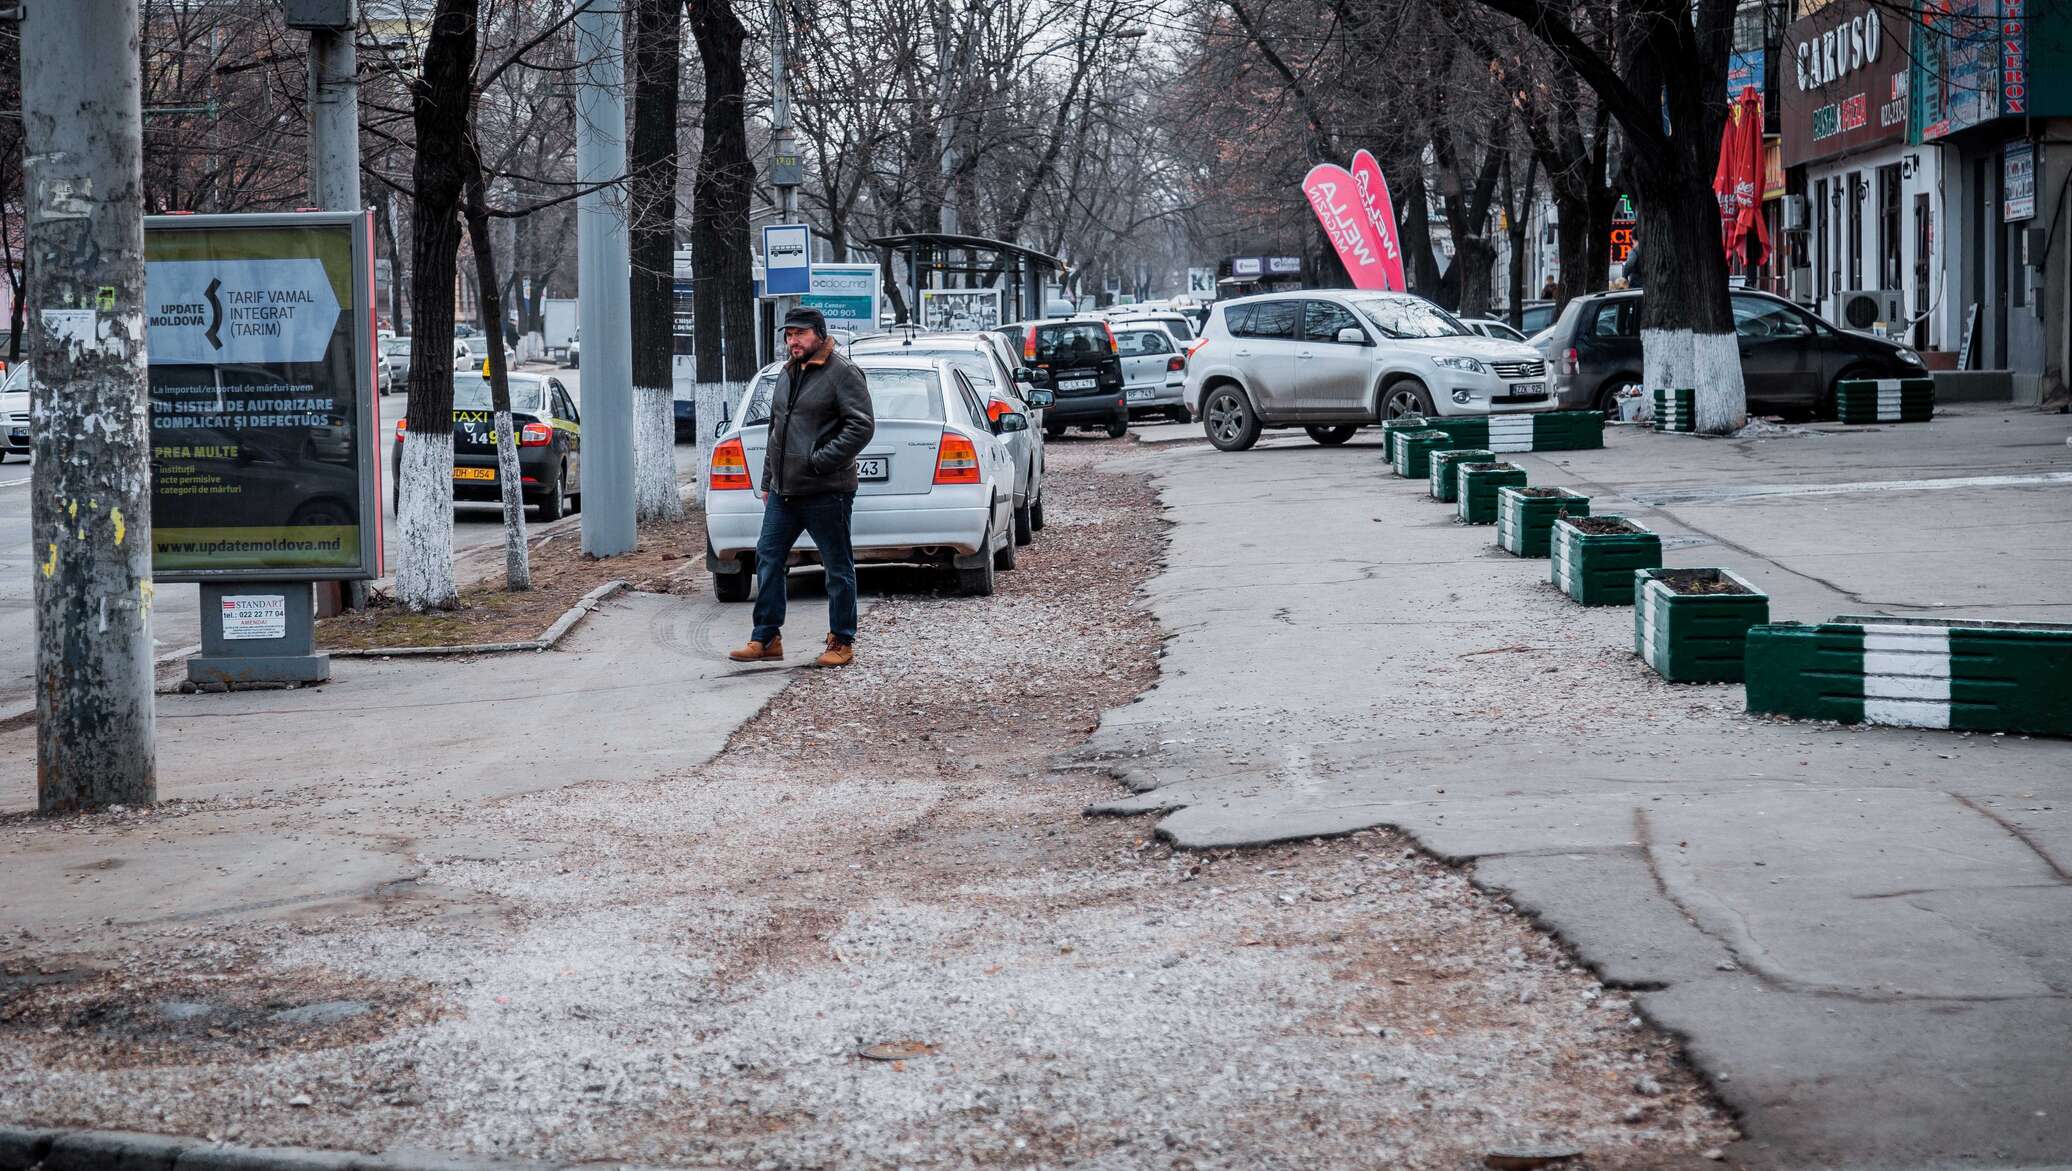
(806, 317)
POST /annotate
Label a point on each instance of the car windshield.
(896, 393)
(17, 379)
(471, 393)
(392, 346)
(1409, 317)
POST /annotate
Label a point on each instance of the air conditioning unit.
(1794, 213)
(1873, 310)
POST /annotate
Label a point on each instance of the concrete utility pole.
(603, 270)
(334, 150)
(90, 499)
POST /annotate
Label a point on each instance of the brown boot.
(757, 652)
(837, 654)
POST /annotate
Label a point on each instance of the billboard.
(847, 295)
(960, 309)
(260, 330)
(1846, 87)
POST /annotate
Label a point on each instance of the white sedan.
(936, 481)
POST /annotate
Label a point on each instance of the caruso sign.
(1849, 88)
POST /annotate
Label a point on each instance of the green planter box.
(1967, 675)
(1395, 427)
(1413, 458)
(1593, 558)
(1691, 625)
(1675, 410)
(1534, 431)
(1525, 516)
(1477, 485)
(1885, 400)
(1443, 475)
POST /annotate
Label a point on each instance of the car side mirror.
(1011, 421)
(1040, 399)
(1352, 336)
(1024, 374)
(1038, 377)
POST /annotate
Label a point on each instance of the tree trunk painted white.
(1709, 363)
(424, 519)
(654, 455)
(715, 400)
(517, 562)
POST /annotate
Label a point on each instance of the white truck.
(560, 320)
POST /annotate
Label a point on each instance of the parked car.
(550, 443)
(1790, 359)
(1076, 359)
(1154, 371)
(1003, 382)
(1491, 327)
(1172, 321)
(575, 352)
(683, 401)
(395, 354)
(1535, 316)
(14, 412)
(936, 482)
(472, 352)
(1332, 362)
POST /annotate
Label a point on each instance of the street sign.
(1201, 282)
(787, 260)
(260, 331)
(847, 295)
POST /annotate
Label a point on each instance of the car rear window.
(471, 393)
(912, 395)
(1136, 343)
(1178, 326)
(1070, 341)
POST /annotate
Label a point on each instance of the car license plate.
(474, 473)
(1529, 388)
(874, 467)
(1140, 394)
(1077, 384)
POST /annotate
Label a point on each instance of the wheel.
(1178, 415)
(1036, 516)
(1053, 430)
(1407, 396)
(1332, 436)
(1024, 525)
(1004, 556)
(555, 504)
(1228, 418)
(1118, 428)
(1606, 401)
(732, 587)
(976, 583)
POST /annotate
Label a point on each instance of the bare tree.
(651, 213)
(723, 304)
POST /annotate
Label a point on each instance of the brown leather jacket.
(820, 420)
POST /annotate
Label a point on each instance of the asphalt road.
(176, 621)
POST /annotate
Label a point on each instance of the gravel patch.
(876, 932)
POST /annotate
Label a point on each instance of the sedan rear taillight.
(535, 435)
(956, 460)
(730, 467)
(1176, 362)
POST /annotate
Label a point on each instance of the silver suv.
(1332, 361)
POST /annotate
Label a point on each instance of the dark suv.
(1790, 359)
(1076, 359)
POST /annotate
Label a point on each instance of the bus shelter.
(1000, 280)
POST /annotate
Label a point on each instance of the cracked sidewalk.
(1861, 932)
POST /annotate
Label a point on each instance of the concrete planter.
(1675, 410)
(1443, 474)
(1955, 673)
(1477, 485)
(1691, 625)
(1593, 558)
(1539, 431)
(1525, 516)
(1413, 458)
(1885, 400)
(1395, 427)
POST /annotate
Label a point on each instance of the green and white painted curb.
(1413, 458)
(1443, 473)
(1694, 638)
(1596, 569)
(1476, 488)
(1885, 400)
(1524, 523)
(1521, 431)
(1675, 410)
(1961, 674)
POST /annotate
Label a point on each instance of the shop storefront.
(1866, 234)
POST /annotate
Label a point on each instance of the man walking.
(820, 419)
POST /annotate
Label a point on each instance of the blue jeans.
(826, 518)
